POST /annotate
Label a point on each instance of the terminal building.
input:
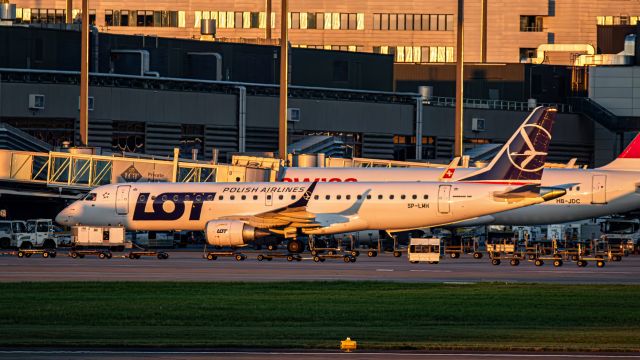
(414, 32)
(154, 88)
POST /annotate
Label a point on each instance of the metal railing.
(493, 104)
(86, 171)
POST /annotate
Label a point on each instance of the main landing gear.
(295, 246)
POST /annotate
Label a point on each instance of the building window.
(311, 21)
(128, 136)
(530, 23)
(192, 140)
(294, 22)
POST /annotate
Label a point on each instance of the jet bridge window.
(90, 197)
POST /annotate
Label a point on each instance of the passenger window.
(244, 197)
(328, 197)
(369, 197)
(338, 197)
(390, 197)
(316, 197)
(255, 197)
(220, 197)
(198, 198)
(232, 197)
(209, 197)
(577, 188)
(379, 197)
(176, 198)
(403, 197)
(293, 197)
(268, 197)
(164, 197)
(426, 196)
(359, 197)
(187, 198)
(281, 197)
(142, 198)
(348, 197)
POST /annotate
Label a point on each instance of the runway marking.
(281, 353)
(387, 270)
(434, 271)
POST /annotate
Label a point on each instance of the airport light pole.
(69, 17)
(459, 117)
(84, 75)
(284, 70)
(267, 31)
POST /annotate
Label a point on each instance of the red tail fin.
(633, 149)
(629, 159)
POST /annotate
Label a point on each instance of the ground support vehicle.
(38, 234)
(541, 255)
(111, 238)
(428, 250)
(504, 251)
(100, 253)
(46, 253)
(161, 255)
(458, 246)
(317, 250)
(598, 257)
(323, 257)
(272, 255)
(379, 249)
(214, 255)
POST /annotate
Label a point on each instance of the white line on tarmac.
(276, 353)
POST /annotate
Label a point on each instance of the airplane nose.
(62, 218)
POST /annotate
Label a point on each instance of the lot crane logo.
(529, 152)
(131, 174)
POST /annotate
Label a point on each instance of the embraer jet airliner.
(233, 214)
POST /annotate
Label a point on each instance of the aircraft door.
(268, 199)
(122, 199)
(599, 189)
(444, 199)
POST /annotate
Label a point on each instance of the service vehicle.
(425, 250)
(39, 234)
(623, 232)
(10, 230)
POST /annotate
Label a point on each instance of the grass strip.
(379, 315)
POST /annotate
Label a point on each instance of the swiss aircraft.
(610, 189)
(234, 214)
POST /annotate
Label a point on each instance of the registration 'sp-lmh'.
(233, 214)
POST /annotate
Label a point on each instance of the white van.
(425, 250)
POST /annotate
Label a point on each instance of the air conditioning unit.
(294, 114)
(36, 101)
(477, 124)
(91, 103)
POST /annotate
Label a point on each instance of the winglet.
(521, 160)
(447, 174)
(304, 200)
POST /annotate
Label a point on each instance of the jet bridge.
(67, 174)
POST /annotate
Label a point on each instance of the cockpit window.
(90, 197)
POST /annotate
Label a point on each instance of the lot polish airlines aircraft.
(611, 189)
(233, 214)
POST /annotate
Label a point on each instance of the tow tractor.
(332, 251)
(161, 255)
(271, 255)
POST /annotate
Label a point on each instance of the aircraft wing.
(293, 215)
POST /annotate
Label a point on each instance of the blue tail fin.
(521, 160)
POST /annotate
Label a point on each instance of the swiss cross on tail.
(521, 160)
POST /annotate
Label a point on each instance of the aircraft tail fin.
(521, 160)
(629, 159)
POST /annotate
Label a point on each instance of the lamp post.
(459, 117)
(284, 72)
(84, 75)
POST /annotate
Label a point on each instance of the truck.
(10, 230)
(38, 233)
(622, 232)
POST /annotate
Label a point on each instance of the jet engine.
(231, 233)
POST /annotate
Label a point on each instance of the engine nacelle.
(229, 233)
